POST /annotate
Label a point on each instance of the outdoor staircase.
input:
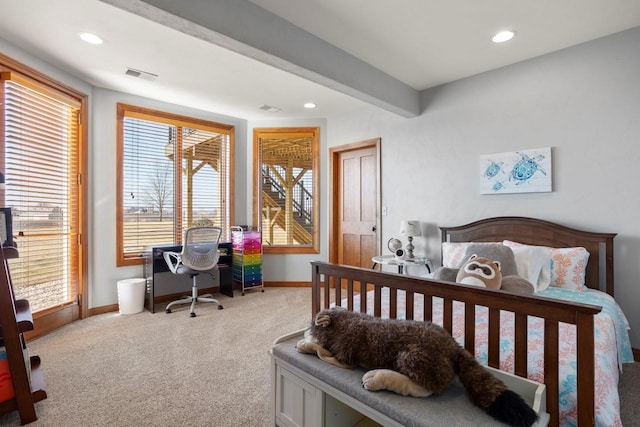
(274, 195)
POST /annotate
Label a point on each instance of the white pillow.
(533, 263)
(568, 266)
(453, 253)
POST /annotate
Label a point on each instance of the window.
(42, 164)
(286, 185)
(173, 172)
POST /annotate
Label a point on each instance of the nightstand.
(392, 260)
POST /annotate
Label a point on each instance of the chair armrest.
(173, 260)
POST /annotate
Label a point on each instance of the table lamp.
(410, 229)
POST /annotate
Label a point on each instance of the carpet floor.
(630, 395)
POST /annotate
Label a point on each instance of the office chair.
(199, 253)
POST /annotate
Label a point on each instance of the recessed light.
(503, 36)
(90, 38)
(309, 105)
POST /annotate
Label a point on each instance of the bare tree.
(161, 188)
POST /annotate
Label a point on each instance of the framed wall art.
(523, 171)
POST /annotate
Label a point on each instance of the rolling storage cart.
(247, 257)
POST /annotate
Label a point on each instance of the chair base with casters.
(193, 299)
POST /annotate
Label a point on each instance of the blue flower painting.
(524, 171)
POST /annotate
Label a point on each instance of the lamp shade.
(410, 228)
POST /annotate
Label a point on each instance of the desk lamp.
(410, 229)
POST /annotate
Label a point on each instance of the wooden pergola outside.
(287, 159)
(195, 154)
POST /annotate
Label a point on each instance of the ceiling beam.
(247, 29)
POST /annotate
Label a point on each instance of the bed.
(536, 336)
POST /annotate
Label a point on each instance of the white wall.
(583, 101)
(25, 58)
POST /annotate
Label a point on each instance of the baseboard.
(103, 309)
(287, 284)
(636, 354)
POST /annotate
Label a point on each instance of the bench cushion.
(451, 408)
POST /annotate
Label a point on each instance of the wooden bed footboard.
(333, 284)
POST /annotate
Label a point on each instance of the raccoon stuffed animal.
(479, 271)
(410, 358)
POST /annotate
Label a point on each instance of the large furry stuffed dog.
(410, 358)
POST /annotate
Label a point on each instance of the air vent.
(141, 74)
(269, 108)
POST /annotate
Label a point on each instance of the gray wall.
(583, 101)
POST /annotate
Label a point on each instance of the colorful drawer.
(247, 257)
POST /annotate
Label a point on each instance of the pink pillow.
(568, 266)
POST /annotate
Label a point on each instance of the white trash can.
(131, 295)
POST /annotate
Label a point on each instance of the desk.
(163, 285)
(392, 260)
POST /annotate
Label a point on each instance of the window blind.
(41, 166)
(175, 172)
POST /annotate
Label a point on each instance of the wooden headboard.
(599, 274)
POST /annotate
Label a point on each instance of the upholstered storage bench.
(308, 392)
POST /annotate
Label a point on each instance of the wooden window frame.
(48, 320)
(131, 111)
(288, 132)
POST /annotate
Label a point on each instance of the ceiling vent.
(269, 108)
(141, 74)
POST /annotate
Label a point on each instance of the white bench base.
(302, 396)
